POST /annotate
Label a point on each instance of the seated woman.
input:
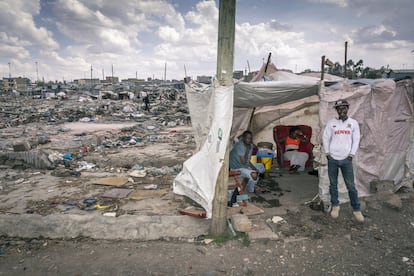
(292, 142)
(239, 159)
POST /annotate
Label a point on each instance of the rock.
(381, 186)
(241, 223)
(394, 202)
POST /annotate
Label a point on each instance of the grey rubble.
(113, 136)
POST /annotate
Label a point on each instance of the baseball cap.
(341, 102)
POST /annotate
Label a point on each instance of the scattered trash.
(109, 214)
(277, 219)
(18, 181)
(89, 201)
(68, 156)
(85, 119)
(83, 165)
(137, 173)
(151, 187)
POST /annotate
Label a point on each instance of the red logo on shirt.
(342, 131)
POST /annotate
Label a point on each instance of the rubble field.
(52, 153)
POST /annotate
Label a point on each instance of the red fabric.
(291, 141)
(281, 132)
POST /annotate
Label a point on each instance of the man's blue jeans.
(348, 174)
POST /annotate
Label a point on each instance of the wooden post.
(225, 47)
(225, 56)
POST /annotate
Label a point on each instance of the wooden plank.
(248, 210)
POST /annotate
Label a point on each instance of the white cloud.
(16, 19)
(379, 33)
(142, 35)
(339, 3)
(15, 52)
(168, 34)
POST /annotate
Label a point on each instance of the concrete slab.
(261, 231)
(127, 227)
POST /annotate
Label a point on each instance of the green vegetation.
(241, 236)
(356, 70)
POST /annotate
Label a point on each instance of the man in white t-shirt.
(341, 141)
(145, 99)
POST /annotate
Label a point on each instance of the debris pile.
(81, 146)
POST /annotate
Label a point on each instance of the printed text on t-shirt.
(342, 131)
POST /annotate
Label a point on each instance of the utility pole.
(112, 78)
(37, 73)
(248, 65)
(346, 61)
(322, 67)
(185, 72)
(165, 72)
(9, 70)
(91, 76)
(225, 56)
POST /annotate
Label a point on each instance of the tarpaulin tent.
(211, 112)
(383, 109)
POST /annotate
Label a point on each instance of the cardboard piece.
(112, 181)
(117, 193)
(248, 210)
(142, 194)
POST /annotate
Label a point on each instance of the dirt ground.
(313, 244)
(310, 242)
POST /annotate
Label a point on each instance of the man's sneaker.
(335, 212)
(358, 216)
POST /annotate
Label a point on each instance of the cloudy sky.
(138, 37)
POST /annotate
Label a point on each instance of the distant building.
(400, 74)
(131, 82)
(112, 80)
(238, 75)
(204, 79)
(19, 84)
(83, 82)
(179, 85)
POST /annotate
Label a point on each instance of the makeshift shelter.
(383, 109)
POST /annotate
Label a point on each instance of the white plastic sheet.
(213, 117)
